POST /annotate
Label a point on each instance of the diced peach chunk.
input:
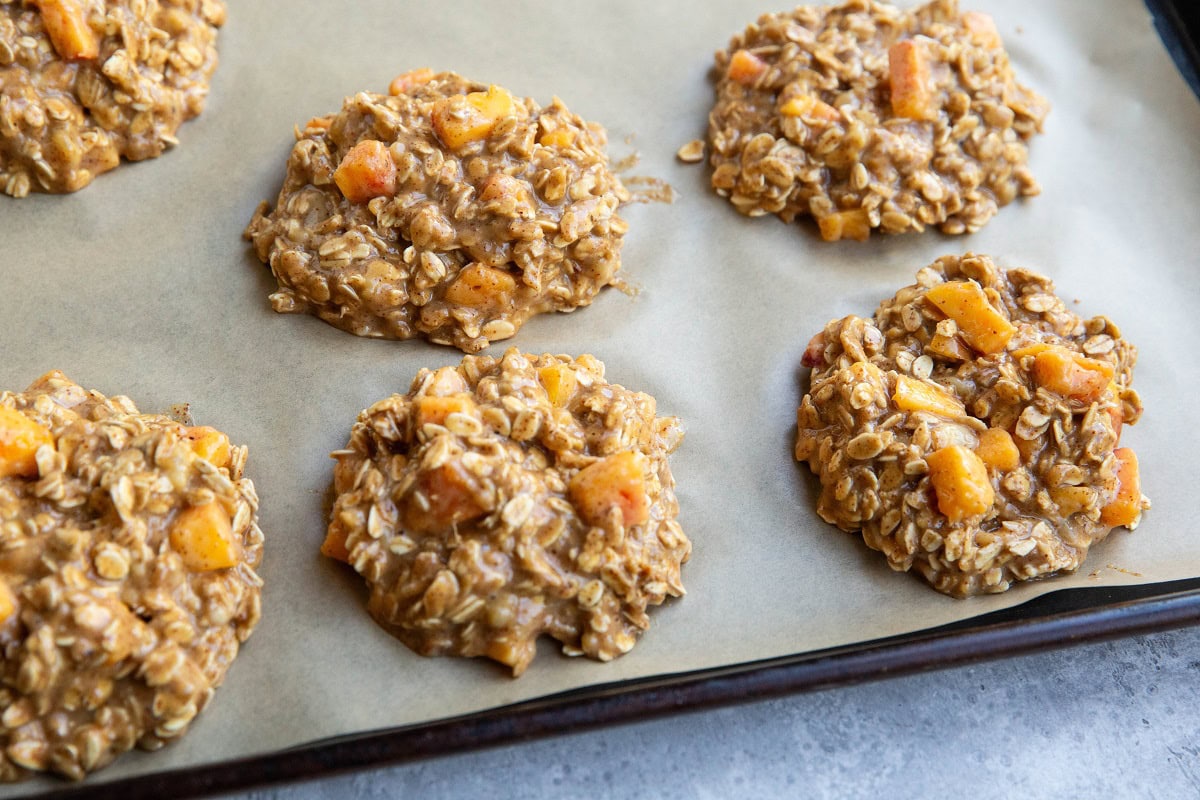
(203, 537)
(208, 443)
(318, 124)
(1071, 374)
(481, 286)
(448, 492)
(66, 25)
(430, 410)
(405, 83)
(745, 67)
(20, 438)
(998, 450)
(814, 353)
(1029, 350)
(984, 328)
(495, 104)
(366, 172)
(912, 86)
(8, 602)
(616, 481)
(916, 395)
(561, 137)
(334, 545)
(807, 105)
(1126, 506)
(961, 483)
(560, 383)
(852, 224)
(462, 119)
(981, 29)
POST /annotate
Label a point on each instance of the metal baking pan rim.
(1058, 619)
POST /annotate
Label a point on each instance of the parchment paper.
(141, 285)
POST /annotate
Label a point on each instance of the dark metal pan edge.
(1178, 25)
(1152, 608)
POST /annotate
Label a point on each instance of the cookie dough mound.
(85, 82)
(509, 498)
(970, 429)
(128, 545)
(448, 210)
(867, 117)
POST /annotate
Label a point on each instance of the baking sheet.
(141, 285)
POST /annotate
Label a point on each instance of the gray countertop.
(1115, 719)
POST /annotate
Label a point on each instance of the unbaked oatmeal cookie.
(84, 83)
(508, 498)
(128, 548)
(866, 117)
(446, 209)
(970, 429)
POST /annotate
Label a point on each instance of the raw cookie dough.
(85, 82)
(448, 210)
(970, 429)
(508, 498)
(128, 544)
(867, 117)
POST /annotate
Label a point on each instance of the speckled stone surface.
(1117, 719)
